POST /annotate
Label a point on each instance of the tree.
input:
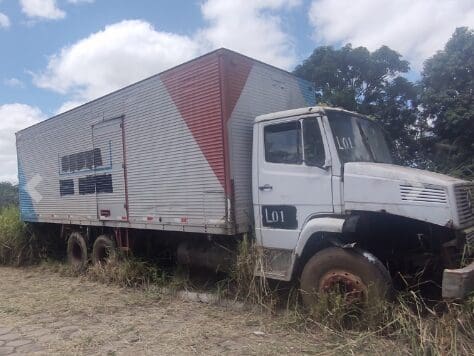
(447, 85)
(8, 194)
(370, 83)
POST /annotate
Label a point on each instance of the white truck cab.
(325, 188)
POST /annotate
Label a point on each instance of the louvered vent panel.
(426, 194)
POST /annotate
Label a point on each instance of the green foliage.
(431, 123)
(8, 194)
(17, 245)
(370, 83)
(447, 95)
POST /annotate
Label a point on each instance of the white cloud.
(131, 50)
(14, 117)
(68, 105)
(80, 1)
(119, 55)
(4, 21)
(254, 29)
(42, 9)
(416, 29)
(14, 83)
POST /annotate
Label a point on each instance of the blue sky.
(57, 54)
(29, 42)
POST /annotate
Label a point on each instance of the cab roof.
(301, 111)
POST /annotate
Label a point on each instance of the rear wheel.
(354, 275)
(103, 250)
(77, 251)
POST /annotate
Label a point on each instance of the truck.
(225, 146)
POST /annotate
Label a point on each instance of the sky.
(57, 54)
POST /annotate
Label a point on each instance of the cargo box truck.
(225, 146)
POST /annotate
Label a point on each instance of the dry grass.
(446, 329)
(440, 329)
(406, 326)
(242, 283)
(119, 271)
(108, 319)
(126, 273)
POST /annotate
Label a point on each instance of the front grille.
(464, 203)
(470, 243)
(425, 194)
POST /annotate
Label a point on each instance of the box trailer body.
(171, 152)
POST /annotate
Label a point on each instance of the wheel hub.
(345, 283)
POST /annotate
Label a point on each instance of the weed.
(242, 282)
(126, 273)
(17, 243)
(436, 329)
(446, 329)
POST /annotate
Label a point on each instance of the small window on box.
(82, 160)
(87, 185)
(66, 187)
(103, 183)
(97, 156)
(65, 167)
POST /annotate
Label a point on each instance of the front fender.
(313, 226)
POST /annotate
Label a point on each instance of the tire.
(104, 249)
(356, 274)
(77, 251)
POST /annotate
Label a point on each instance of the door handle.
(265, 187)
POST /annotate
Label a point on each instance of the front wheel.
(353, 274)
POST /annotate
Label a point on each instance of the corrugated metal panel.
(170, 180)
(195, 90)
(266, 90)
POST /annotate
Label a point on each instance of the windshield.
(358, 139)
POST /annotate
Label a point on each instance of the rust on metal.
(343, 282)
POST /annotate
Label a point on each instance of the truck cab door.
(291, 178)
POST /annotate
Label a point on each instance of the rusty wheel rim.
(350, 286)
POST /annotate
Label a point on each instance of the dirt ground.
(43, 313)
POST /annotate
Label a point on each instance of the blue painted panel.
(27, 210)
(308, 91)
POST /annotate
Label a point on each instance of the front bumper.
(458, 283)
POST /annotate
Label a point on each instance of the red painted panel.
(195, 90)
(205, 92)
(236, 72)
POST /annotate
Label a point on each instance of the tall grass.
(447, 329)
(243, 284)
(442, 329)
(126, 273)
(17, 243)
